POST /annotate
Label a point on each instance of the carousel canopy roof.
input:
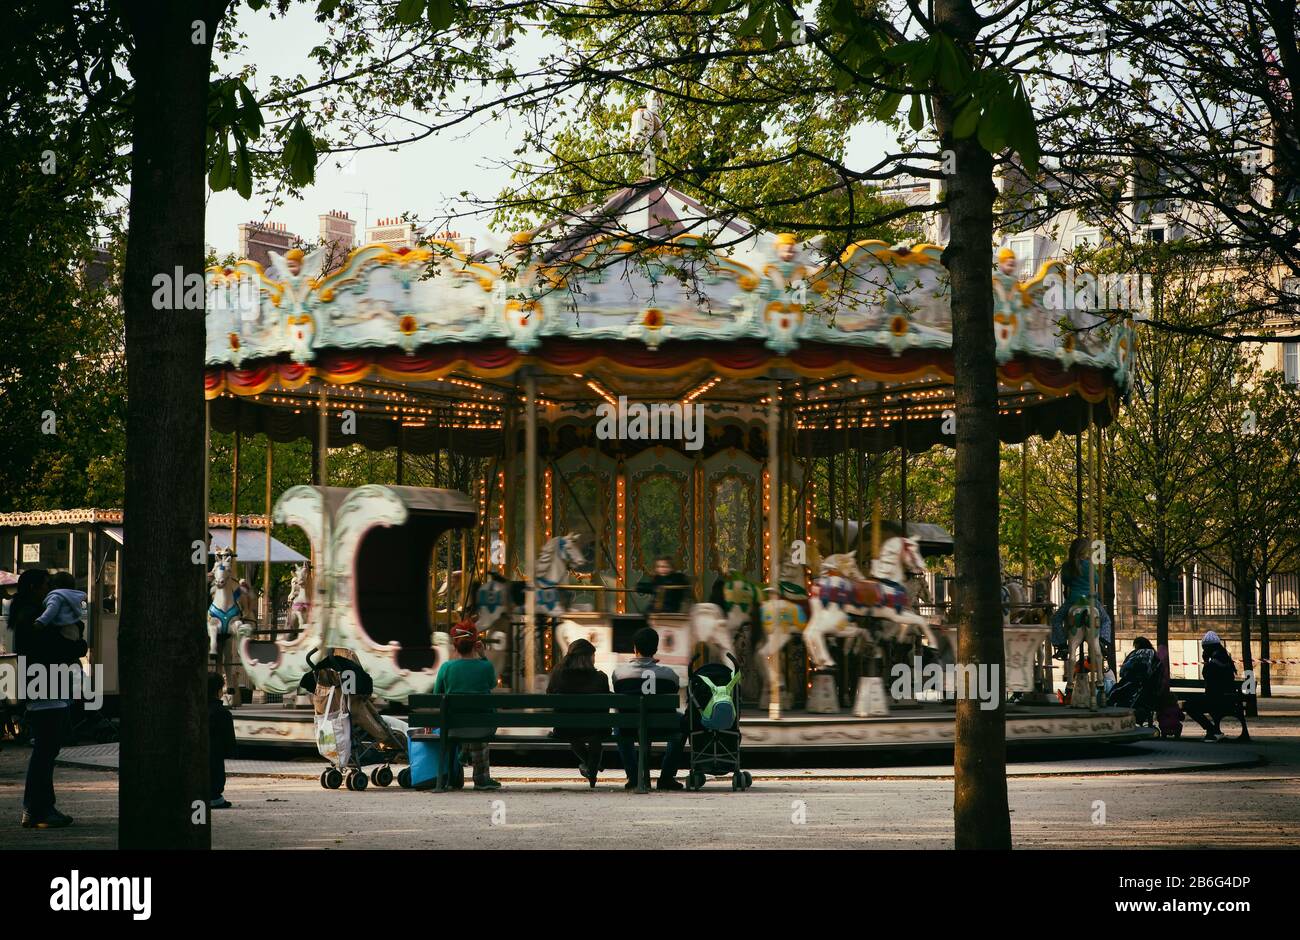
(648, 295)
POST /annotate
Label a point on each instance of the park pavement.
(1242, 796)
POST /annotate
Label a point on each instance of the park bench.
(1246, 703)
(652, 717)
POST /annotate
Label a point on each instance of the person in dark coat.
(667, 589)
(1220, 696)
(576, 674)
(221, 741)
(46, 718)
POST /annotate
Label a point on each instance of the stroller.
(350, 732)
(714, 706)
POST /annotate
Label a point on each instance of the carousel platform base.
(907, 728)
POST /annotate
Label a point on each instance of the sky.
(424, 177)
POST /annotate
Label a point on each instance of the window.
(1291, 362)
(1024, 249)
(1156, 235)
(1085, 239)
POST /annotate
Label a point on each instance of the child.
(221, 741)
(63, 607)
(470, 671)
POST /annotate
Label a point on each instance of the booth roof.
(251, 546)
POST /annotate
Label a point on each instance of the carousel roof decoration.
(647, 293)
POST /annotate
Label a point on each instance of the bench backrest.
(522, 710)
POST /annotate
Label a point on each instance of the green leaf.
(993, 125)
(951, 63)
(243, 173)
(915, 119)
(408, 11)
(441, 14)
(219, 175)
(967, 120)
(300, 154)
(923, 64)
(887, 107)
(326, 7)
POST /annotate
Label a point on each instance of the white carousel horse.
(842, 590)
(710, 625)
(448, 594)
(228, 603)
(558, 556)
(1082, 632)
(299, 602)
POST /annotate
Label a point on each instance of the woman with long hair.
(576, 674)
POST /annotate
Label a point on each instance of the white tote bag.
(334, 732)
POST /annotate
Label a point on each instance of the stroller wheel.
(749, 779)
(695, 781)
(383, 776)
(331, 779)
(737, 782)
(359, 780)
(404, 778)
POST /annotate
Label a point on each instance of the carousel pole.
(207, 481)
(530, 529)
(1078, 484)
(322, 437)
(858, 459)
(1024, 513)
(266, 559)
(234, 505)
(844, 480)
(400, 452)
(902, 474)
(320, 572)
(773, 523)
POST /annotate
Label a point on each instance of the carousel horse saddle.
(224, 616)
(833, 589)
(1081, 615)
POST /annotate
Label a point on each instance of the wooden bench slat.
(514, 701)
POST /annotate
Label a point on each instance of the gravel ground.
(1227, 808)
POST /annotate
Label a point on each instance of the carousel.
(644, 388)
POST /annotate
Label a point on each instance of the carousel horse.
(842, 591)
(448, 593)
(558, 556)
(780, 620)
(299, 601)
(709, 625)
(228, 603)
(1083, 629)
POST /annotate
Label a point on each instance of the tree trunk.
(162, 800)
(1162, 610)
(1265, 653)
(980, 811)
(1245, 589)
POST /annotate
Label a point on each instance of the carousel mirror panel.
(661, 514)
(733, 483)
(583, 489)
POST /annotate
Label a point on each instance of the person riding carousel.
(1076, 586)
(667, 589)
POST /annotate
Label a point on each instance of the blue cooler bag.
(425, 755)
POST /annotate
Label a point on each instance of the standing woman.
(577, 674)
(47, 719)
